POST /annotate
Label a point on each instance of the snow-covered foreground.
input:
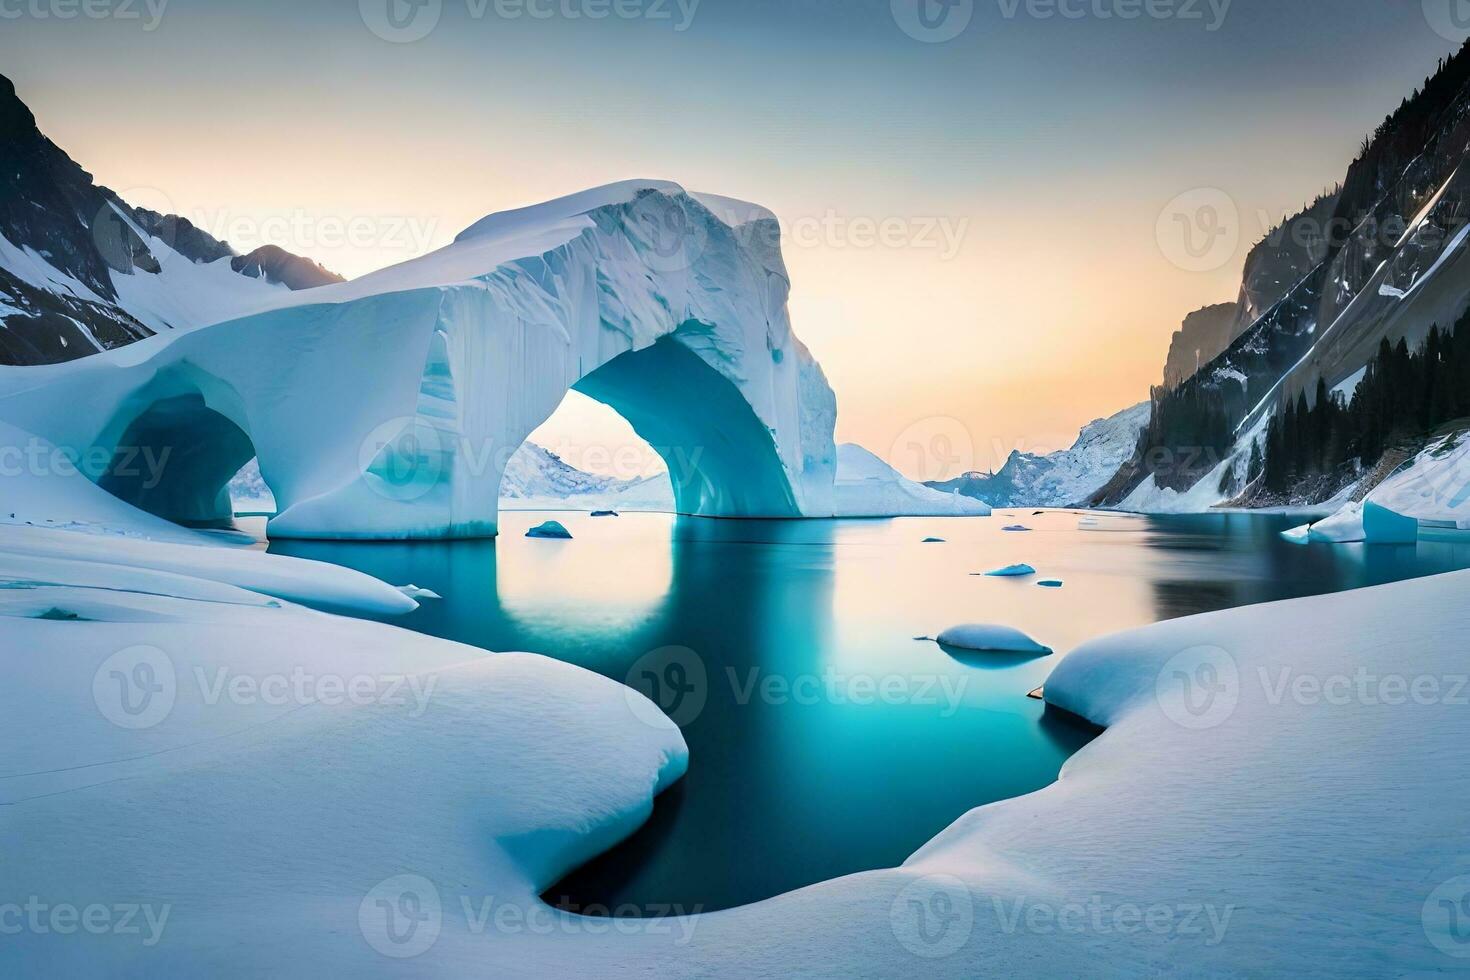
(199, 780)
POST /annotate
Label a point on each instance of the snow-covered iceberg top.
(389, 406)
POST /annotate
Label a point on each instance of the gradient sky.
(1054, 144)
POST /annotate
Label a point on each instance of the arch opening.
(721, 458)
(175, 460)
(585, 457)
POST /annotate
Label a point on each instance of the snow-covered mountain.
(1389, 264)
(1060, 479)
(537, 478)
(82, 271)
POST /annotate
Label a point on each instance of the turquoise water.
(824, 740)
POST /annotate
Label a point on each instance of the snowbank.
(267, 788)
(1149, 498)
(286, 792)
(51, 511)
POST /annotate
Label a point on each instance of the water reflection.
(823, 739)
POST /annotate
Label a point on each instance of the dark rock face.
(1347, 266)
(275, 264)
(68, 235)
(1205, 335)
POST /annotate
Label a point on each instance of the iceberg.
(389, 406)
(549, 529)
(1298, 535)
(1011, 571)
(868, 487)
(990, 638)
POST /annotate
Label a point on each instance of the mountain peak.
(15, 116)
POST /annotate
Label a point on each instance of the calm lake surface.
(824, 740)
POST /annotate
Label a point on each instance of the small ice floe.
(1038, 695)
(989, 638)
(605, 513)
(1012, 571)
(1050, 583)
(933, 541)
(550, 529)
(1015, 527)
(414, 592)
(1298, 535)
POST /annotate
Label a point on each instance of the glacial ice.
(388, 407)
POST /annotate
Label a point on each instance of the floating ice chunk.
(933, 541)
(990, 638)
(1298, 535)
(1050, 583)
(1016, 527)
(1012, 571)
(414, 592)
(550, 529)
(605, 513)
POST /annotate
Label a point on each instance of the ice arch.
(387, 407)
